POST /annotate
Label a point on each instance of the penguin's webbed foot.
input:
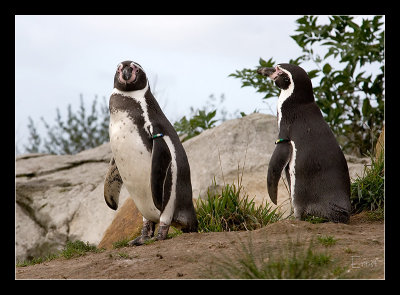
(139, 241)
(162, 232)
(147, 233)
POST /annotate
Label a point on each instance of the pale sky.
(189, 57)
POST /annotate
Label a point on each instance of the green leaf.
(366, 108)
(269, 63)
(327, 69)
(312, 74)
(262, 63)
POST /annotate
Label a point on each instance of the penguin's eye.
(133, 66)
(119, 68)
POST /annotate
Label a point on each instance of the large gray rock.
(60, 198)
(237, 150)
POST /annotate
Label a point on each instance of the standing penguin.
(148, 157)
(315, 166)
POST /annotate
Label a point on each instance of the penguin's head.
(280, 76)
(129, 76)
(290, 77)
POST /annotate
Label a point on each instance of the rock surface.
(127, 224)
(60, 197)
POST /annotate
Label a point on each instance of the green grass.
(376, 215)
(175, 232)
(71, 250)
(348, 250)
(232, 210)
(124, 255)
(294, 262)
(368, 191)
(121, 243)
(327, 240)
(78, 248)
(315, 219)
(37, 260)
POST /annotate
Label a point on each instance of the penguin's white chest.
(134, 162)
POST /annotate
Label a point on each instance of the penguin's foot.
(147, 233)
(139, 241)
(162, 232)
(148, 228)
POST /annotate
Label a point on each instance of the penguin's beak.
(127, 73)
(272, 73)
(266, 71)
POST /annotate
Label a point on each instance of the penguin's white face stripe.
(285, 93)
(167, 214)
(137, 65)
(138, 96)
(292, 170)
(120, 66)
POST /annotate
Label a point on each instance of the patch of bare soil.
(359, 249)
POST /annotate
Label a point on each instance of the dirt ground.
(359, 249)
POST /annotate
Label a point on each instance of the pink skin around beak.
(275, 74)
(133, 76)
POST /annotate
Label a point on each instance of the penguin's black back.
(321, 168)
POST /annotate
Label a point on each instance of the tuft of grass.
(71, 250)
(176, 232)
(77, 248)
(294, 262)
(376, 215)
(120, 244)
(348, 250)
(124, 255)
(36, 260)
(315, 219)
(231, 210)
(368, 191)
(327, 240)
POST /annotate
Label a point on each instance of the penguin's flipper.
(112, 185)
(280, 158)
(161, 175)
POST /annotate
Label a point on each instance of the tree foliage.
(351, 100)
(79, 131)
(205, 118)
(200, 121)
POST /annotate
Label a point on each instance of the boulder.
(237, 151)
(59, 198)
(127, 224)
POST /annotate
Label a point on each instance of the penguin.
(147, 157)
(314, 164)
